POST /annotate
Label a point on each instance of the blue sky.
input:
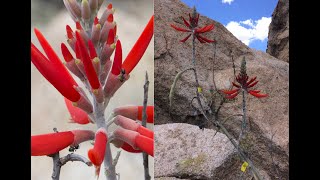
(248, 20)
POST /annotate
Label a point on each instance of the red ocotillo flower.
(51, 143)
(53, 69)
(77, 114)
(139, 48)
(88, 67)
(133, 126)
(117, 62)
(243, 83)
(134, 139)
(135, 112)
(192, 28)
(96, 154)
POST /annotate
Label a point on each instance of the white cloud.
(249, 30)
(227, 1)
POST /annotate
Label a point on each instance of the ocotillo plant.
(93, 43)
(242, 79)
(243, 85)
(195, 32)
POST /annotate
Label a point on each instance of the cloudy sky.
(248, 20)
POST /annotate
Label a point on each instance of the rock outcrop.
(184, 150)
(278, 37)
(267, 116)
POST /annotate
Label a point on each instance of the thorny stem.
(144, 124)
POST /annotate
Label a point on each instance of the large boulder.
(266, 116)
(278, 37)
(184, 150)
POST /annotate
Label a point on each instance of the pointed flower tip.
(92, 50)
(110, 18)
(139, 47)
(96, 21)
(109, 6)
(69, 32)
(111, 35)
(66, 53)
(117, 63)
(78, 25)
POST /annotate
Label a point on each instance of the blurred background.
(47, 105)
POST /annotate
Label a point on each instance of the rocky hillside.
(278, 38)
(267, 116)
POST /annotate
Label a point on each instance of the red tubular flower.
(53, 70)
(117, 62)
(139, 48)
(192, 26)
(88, 67)
(149, 111)
(243, 83)
(96, 154)
(135, 112)
(47, 144)
(133, 126)
(135, 140)
(77, 114)
(125, 146)
(109, 10)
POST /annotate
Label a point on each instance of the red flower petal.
(58, 77)
(185, 39)
(200, 39)
(139, 48)
(251, 80)
(92, 50)
(96, 21)
(233, 95)
(253, 84)
(129, 148)
(110, 18)
(111, 36)
(255, 91)
(77, 114)
(205, 39)
(197, 19)
(236, 85)
(66, 53)
(258, 95)
(88, 67)
(96, 154)
(185, 22)
(179, 29)
(117, 62)
(69, 32)
(149, 111)
(78, 25)
(229, 92)
(145, 144)
(48, 144)
(205, 29)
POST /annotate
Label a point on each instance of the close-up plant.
(89, 58)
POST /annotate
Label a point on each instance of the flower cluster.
(192, 28)
(93, 43)
(244, 83)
